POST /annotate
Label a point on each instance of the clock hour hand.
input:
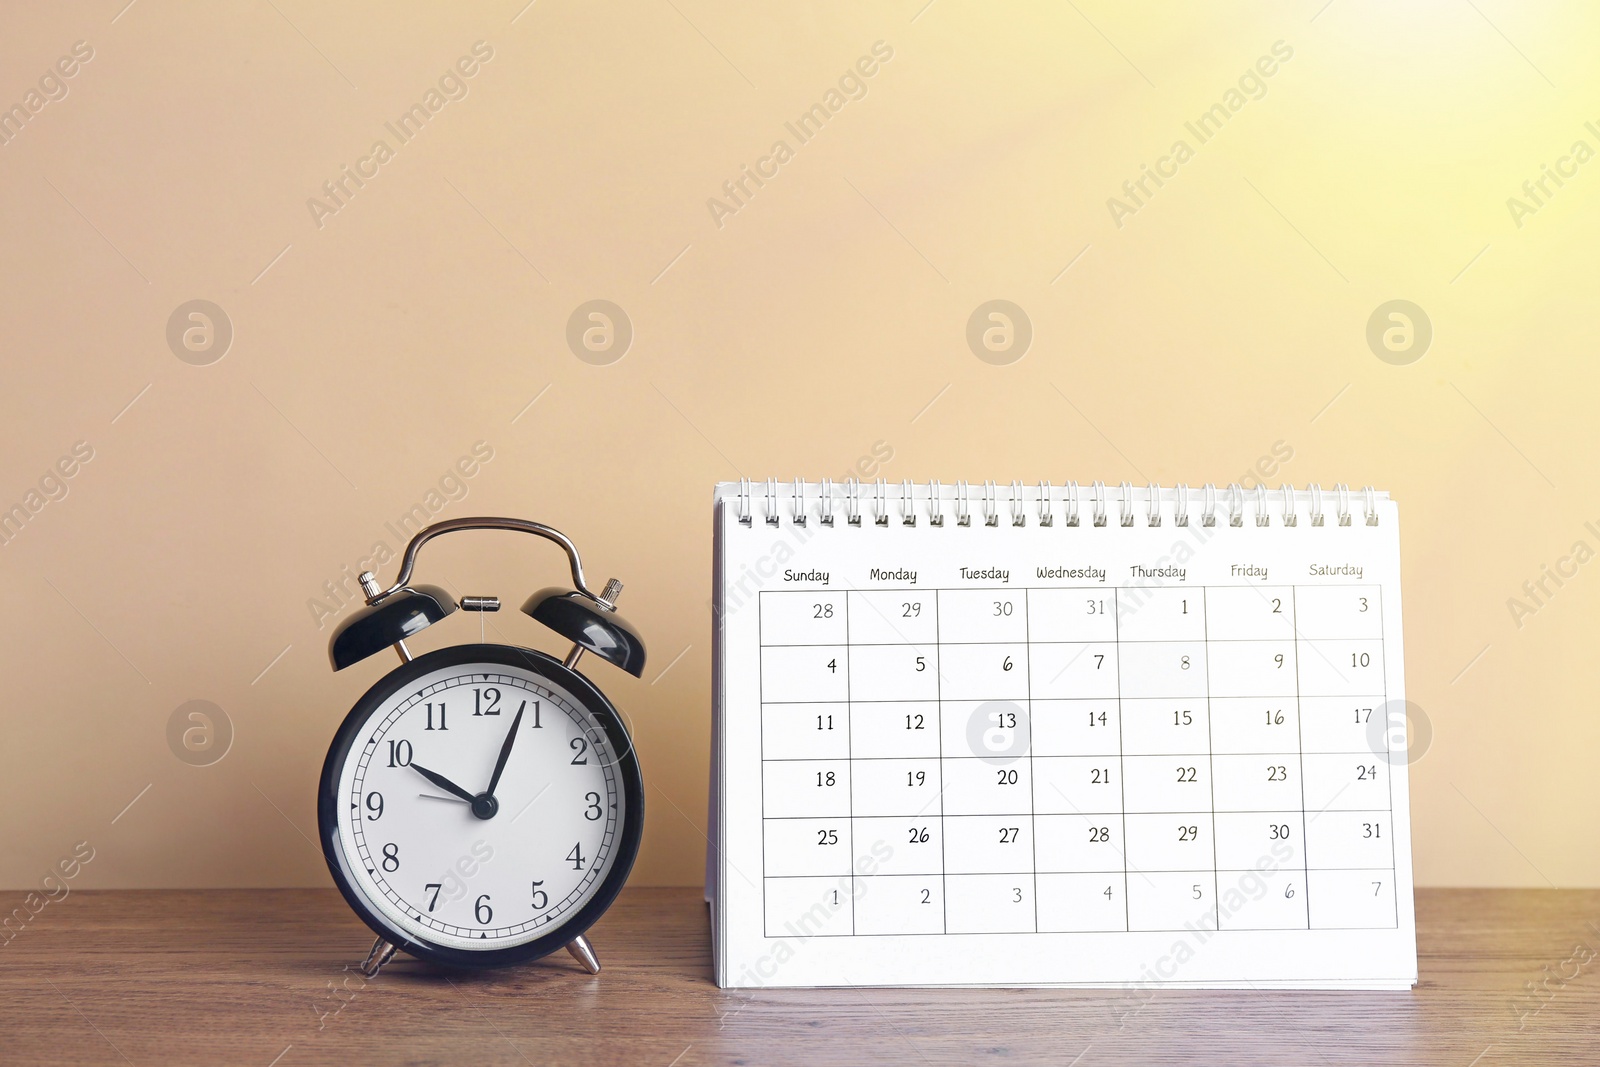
(442, 782)
(505, 750)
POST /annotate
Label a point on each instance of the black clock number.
(433, 901)
(430, 726)
(374, 806)
(486, 701)
(482, 911)
(391, 857)
(541, 899)
(575, 857)
(399, 753)
(592, 812)
(581, 747)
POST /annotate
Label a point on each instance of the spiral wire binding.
(818, 499)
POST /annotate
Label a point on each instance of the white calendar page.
(1028, 754)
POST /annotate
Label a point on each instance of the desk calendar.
(1052, 734)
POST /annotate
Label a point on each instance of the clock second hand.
(442, 782)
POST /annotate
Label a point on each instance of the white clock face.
(426, 858)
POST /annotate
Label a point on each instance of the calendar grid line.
(761, 739)
(1053, 755)
(1104, 699)
(1299, 730)
(938, 689)
(1124, 641)
(1033, 805)
(1054, 870)
(1388, 746)
(849, 767)
(1211, 783)
(1122, 766)
(1075, 811)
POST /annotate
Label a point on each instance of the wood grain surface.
(265, 977)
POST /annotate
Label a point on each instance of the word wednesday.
(452, 85)
(1203, 129)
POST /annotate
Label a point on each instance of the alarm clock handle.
(408, 561)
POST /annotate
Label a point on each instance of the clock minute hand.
(505, 750)
(442, 782)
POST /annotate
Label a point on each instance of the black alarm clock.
(481, 805)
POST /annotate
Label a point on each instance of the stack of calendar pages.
(1058, 734)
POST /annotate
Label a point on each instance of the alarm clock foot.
(583, 952)
(382, 952)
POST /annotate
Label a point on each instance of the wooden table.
(260, 977)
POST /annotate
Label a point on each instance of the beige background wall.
(821, 323)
